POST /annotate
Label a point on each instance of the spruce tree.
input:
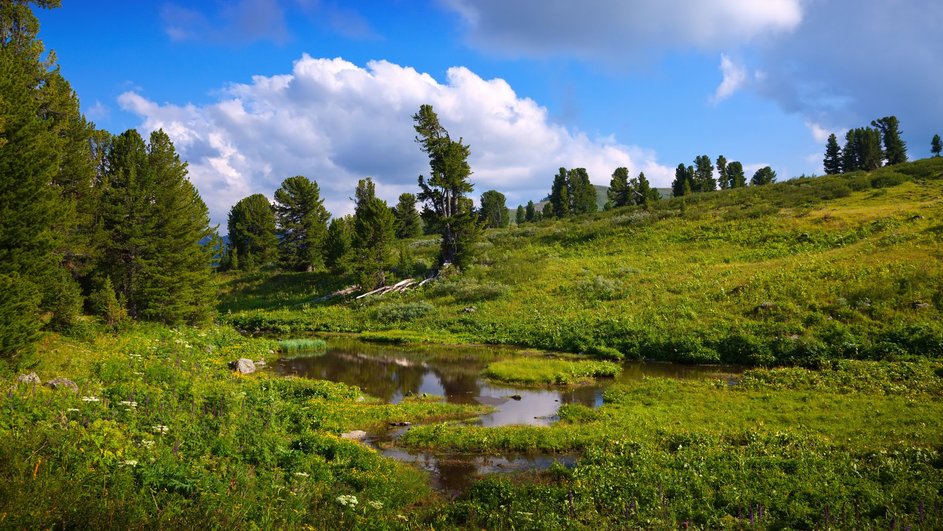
(619, 187)
(302, 224)
(373, 233)
(530, 213)
(936, 146)
(895, 150)
(677, 185)
(252, 232)
(703, 175)
(763, 176)
(494, 211)
(735, 174)
(560, 195)
(520, 215)
(448, 210)
(722, 179)
(581, 191)
(408, 222)
(833, 156)
(338, 254)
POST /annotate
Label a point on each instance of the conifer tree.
(619, 187)
(735, 174)
(447, 209)
(895, 150)
(302, 224)
(833, 156)
(372, 235)
(677, 185)
(408, 222)
(339, 245)
(722, 179)
(252, 232)
(763, 176)
(703, 175)
(494, 211)
(520, 215)
(936, 146)
(530, 213)
(642, 192)
(581, 191)
(560, 195)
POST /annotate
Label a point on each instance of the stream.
(392, 373)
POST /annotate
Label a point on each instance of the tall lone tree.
(157, 227)
(936, 146)
(703, 175)
(302, 224)
(722, 179)
(735, 174)
(520, 216)
(895, 150)
(408, 223)
(530, 212)
(619, 187)
(494, 211)
(447, 209)
(677, 185)
(372, 236)
(833, 156)
(582, 192)
(252, 237)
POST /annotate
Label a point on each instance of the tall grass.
(295, 346)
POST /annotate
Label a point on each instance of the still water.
(454, 373)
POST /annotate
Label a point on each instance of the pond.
(454, 372)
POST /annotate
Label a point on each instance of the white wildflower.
(129, 462)
(347, 500)
(90, 399)
(376, 505)
(147, 443)
(128, 403)
(160, 428)
(72, 410)
(301, 474)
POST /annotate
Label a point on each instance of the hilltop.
(796, 272)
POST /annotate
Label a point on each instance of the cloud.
(240, 22)
(819, 133)
(617, 30)
(98, 111)
(337, 122)
(734, 77)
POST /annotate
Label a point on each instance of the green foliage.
(703, 175)
(763, 176)
(520, 215)
(448, 210)
(735, 175)
(550, 371)
(302, 224)
(936, 146)
(294, 346)
(408, 223)
(19, 316)
(895, 150)
(833, 156)
(373, 233)
(619, 192)
(252, 233)
(723, 180)
(862, 150)
(581, 192)
(339, 245)
(559, 195)
(531, 212)
(104, 303)
(494, 211)
(396, 312)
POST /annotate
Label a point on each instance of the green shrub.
(604, 352)
(396, 312)
(298, 345)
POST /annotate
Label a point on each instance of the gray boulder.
(63, 383)
(355, 435)
(29, 379)
(243, 366)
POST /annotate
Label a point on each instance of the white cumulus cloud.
(336, 122)
(734, 77)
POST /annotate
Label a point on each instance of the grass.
(295, 346)
(546, 371)
(796, 273)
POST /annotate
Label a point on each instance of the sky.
(255, 91)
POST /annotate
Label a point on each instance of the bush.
(105, 304)
(887, 180)
(604, 352)
(403, 311)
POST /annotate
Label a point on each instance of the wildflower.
(147, 443)
(129, 404)
(347, 500)
(301, 474)
(129, 462)
(90, 399)
(160, 428)
(72, 410)
(376, 505)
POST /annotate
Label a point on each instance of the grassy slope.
(797, 272)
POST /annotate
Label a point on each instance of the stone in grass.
(63, 383)
(242, 366)
(29, 379)
(260, 364)
(355, 435)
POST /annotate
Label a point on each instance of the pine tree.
(252, 232)
(373, 233)
(560, 195)
(763, 176)
(408, 222)
(722, 179)
(895, 150)
(302, 224)
(339, 245)
(936, 146)
(642, 191)
(619, 187)
(581, 191)
(156, 225)
(494, 210)
(703, 175)
(520, 215)
(735, 174)
(677, 185)
(448, 212)
(530, 213)
(833, 156)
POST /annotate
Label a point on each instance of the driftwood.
(399, 287)
(339, 293)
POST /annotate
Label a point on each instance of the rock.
(355, 435)
(920, 305)
(516, 397)
(469, 309)
(764, 306)
(242, 366)
(63, 383)
(260, 364)
(29, 379)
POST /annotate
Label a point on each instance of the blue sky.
(255, 91)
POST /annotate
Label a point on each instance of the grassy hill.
(794, 273)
